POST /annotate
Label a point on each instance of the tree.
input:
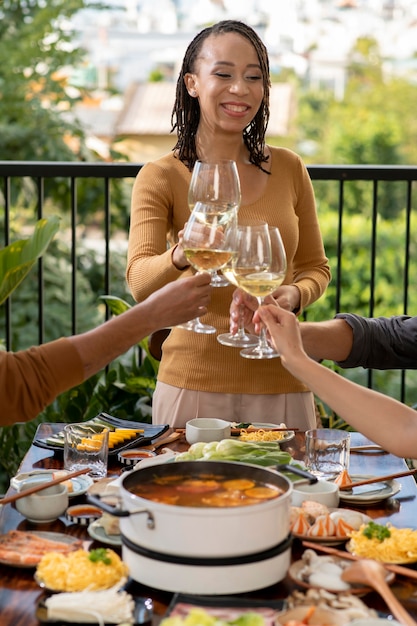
(36, 45)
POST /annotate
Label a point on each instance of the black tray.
(151, 432)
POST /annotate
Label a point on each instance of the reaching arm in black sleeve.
(382, 342)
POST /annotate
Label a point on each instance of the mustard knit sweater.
(160, 209)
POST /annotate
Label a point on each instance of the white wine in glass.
(259, 268)
(216, 183)
(242, 339)
(208, 242)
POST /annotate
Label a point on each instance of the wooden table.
(19, 594)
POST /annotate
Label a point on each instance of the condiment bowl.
(322, 491)
(43, 506)
(207, 429)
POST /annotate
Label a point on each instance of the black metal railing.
(39, 173)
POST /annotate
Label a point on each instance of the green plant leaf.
(116, 305)
(18, 258)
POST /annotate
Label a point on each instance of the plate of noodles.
(384, 543)
(264, 431)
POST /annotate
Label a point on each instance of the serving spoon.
(372, 574)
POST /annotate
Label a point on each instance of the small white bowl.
(322, 491)
(43, 506)
(207, 429)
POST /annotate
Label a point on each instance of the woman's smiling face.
(228, 82)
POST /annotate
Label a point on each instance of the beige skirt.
(175, 406)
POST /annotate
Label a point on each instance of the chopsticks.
(371, 447)
(396, 569)
(43, 485)
(377, 479)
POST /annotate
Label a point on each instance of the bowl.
(312, 615)
(43, 506)
(207, 429)
(83, 514)
(134, 455)
(322, 491)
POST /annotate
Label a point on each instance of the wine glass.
(241, 339)
(215, 183)
(208, 242)
(259, 267)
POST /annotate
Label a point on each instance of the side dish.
(81, 570)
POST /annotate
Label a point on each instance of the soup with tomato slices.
(205, 491)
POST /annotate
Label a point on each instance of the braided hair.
(186, 111)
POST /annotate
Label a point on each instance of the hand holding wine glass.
(208, 243)
(259, 267)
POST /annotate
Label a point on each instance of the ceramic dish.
(134, 455)
(56, 442)
(17, 560)
(287, 435)
(404, 561)
(79, 484)
(97, 532)
(83, 514)
(227, 608)
(42, 615)
(370, 494)
(295, 572)
(331, 540)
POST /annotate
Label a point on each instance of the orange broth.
(205, 491)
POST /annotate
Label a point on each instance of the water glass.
(327, 452)
(86, 446)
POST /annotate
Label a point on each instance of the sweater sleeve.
(31, 379)
(382, 343)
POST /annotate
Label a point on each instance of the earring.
(193, 93)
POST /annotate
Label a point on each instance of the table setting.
(245, 558)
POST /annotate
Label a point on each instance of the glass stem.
(263, 343)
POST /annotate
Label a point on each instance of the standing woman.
(221, 112)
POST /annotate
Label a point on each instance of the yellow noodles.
(261, 435)
(76, 572)
(400, 547)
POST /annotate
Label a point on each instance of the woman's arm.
(384, 420)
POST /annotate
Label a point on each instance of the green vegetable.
(265, 453)
(376, 531)
(99, 554)
(201, 617)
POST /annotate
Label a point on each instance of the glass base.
(197, 326)
(243, 340)
(260, 352)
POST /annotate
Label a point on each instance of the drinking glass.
(327, 452)
(86, 446)
(241, 339)
(259, 267)
(216, 184)
(208, 242)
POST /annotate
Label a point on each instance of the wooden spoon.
(371, 573)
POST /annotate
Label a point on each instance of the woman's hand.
(242, 301)
(288, 297)
(178, 257)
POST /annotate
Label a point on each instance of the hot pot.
(205, 550)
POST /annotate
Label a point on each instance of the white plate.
(97, 532)
(80, 484)
(370, 494)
